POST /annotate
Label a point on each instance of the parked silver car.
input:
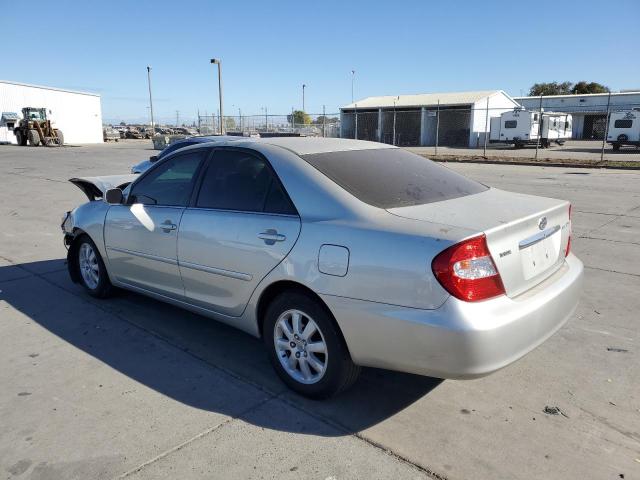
(338, 253)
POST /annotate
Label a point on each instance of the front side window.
(392, 177)
(239, 180)
(623, 123)
(510, 124)
(170, 183)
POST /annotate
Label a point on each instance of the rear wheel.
(306, 347)
(34, 138)
(60, 137)
(93, 273)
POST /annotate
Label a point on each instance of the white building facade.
(458, 119)
(77, 114)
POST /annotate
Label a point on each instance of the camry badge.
(542, 223)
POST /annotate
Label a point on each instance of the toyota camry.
(338, 253)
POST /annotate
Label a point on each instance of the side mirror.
(113, 196)
(153, 158)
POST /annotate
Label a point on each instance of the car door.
(240, 225)
(141, 236)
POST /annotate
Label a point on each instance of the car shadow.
(157, 345)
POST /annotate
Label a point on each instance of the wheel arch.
(72, 254)
(281, 286)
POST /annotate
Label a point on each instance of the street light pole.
(218, 62)
(303, 87)
(153, 130)
(353, 74)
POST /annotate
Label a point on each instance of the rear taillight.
(467, 271)
(568, 250)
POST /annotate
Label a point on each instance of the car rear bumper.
(459, 339)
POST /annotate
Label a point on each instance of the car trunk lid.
(526, 235)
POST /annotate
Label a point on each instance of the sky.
(269, 49)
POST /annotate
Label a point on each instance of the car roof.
(300, 145)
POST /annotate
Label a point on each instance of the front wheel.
(306, 347)
(93, 273)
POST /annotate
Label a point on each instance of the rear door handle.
(167, 226)
(271, 236)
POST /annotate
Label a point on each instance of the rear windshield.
(392, 177)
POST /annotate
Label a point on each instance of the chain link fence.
(315, 125)
(570, 129)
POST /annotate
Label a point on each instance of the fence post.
(393, 141)
(423, 126)
(437, 126)
(539, 139)
(486, 130)
(355, 112)
(606, 128)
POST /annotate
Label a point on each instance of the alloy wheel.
(300, 346)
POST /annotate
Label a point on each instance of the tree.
(582, 88)
(299, 118)
(550, 88)
(566, 88)
(322, 119)
(229, 123)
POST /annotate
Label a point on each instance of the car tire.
(92, 272)
(329, 369)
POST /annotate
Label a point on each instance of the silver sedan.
(338, 253)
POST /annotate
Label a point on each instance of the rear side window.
(392, 177)
(623, 123)
(174, 147)
(238, 180)
(510, 123)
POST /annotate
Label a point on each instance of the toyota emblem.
(542, 223)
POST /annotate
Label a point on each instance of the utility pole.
(324, 121)
(177, 118)
(218, 62)
(150, 99)
(303, 87)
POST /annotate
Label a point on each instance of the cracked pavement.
(133, 388)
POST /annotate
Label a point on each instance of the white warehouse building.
(77, 114)
(451, 119)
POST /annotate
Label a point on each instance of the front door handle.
(271, 236)
(167, 226)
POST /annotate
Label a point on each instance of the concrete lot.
(583, 151)
(134, 388)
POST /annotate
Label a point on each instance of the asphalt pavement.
(133, 388)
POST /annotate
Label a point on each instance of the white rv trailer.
(522, 127)
(624, 129)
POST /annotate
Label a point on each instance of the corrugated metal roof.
(423, 99)
(49, 88)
